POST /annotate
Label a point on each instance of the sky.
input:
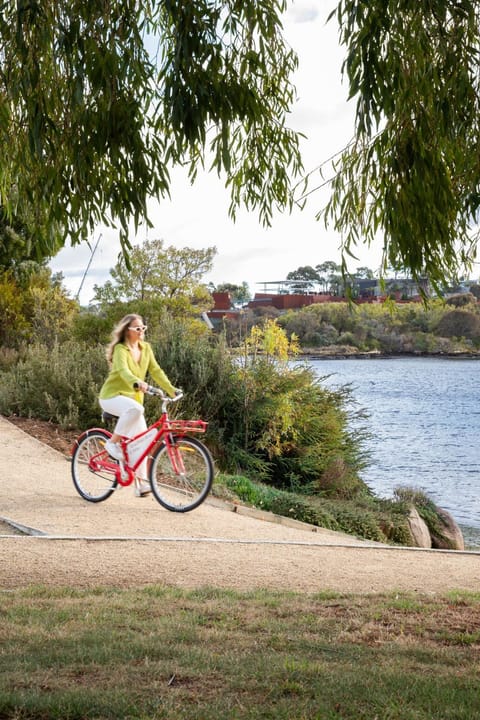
(197, 216)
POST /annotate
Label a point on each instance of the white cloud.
(302, 11)
(197, 216)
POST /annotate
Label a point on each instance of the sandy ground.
(128, 541)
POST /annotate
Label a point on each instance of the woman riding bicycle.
(130, 359)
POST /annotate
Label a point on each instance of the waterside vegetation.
(441, 327)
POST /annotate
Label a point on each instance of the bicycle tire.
(177, 492)
(94, 486)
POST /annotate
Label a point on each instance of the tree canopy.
(412, 173)
(240, 294)
(34, 305)
(98, 100)
(17, 242)
(326, 276)
(156, 273)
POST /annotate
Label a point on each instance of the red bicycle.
(180, 468)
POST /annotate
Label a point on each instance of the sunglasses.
(139, 328)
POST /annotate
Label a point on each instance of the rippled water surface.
(425, 422)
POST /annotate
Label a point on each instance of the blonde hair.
(118, 334)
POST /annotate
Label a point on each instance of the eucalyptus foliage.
(157, 273)
(412, 173)
(100, 98)
(34, 306)
(17, 241)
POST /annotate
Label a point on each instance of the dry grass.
(165, 653)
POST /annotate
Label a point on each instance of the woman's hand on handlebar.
(150, 390)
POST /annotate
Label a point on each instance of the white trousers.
(131, 421)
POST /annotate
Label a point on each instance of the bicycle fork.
(175, 455)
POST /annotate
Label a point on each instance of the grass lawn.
(165, 653)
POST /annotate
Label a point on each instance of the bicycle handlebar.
(151, 390)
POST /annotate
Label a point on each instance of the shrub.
(459, 323)
(199, 363)
(36, 308)
(279, 424)
(280, 502)
(93, 328)
(347, 338)
(8, 358)
(60, 385)
(14, 327)
(369, 518)
(360, 522)
(461, 299)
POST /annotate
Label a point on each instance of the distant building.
(291, 301)
(222, 308)
(284, 295)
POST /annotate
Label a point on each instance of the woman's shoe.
(114, 450)
(142, 488)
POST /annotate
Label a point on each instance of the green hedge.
(368, 517)
(60, 384)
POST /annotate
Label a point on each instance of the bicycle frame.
(166, 431)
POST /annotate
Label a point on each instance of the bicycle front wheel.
(94, 482)
(181, 477)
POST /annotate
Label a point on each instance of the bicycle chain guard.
(125, 476)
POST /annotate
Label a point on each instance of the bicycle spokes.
(181, 474)
(94, 475)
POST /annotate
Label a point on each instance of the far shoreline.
(313, 354)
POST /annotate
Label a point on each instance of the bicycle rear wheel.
(91, 480)
(181, 489)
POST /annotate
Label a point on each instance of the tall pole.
(88, 266)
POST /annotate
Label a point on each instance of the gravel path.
(128, 541)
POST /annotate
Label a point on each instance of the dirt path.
(130, 541)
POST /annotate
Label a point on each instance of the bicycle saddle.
(108, 417)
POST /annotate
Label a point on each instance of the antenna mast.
(88, 266)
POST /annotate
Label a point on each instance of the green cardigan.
(125, 372)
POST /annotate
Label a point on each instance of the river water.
(424, 417)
